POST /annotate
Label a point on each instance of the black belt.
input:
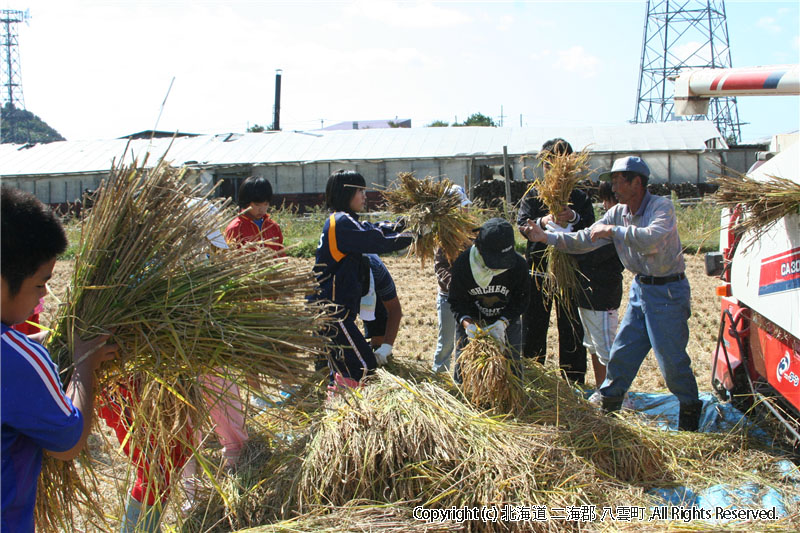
(655, 280)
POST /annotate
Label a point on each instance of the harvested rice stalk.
(258, 492)
(178, 311)
(358, 517)
(562, 173)
(488, 380)
(765, 202)
(395, 440)
(434, 213)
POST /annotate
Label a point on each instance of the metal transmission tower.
(684, 34)
(12, 84)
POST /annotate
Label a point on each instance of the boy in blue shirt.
(36, 414)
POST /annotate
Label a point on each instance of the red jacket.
(242, 230)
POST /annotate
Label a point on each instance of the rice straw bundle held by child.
(433, 210)
(488, 381)
(146, 272)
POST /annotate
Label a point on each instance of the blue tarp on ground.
(717, 418)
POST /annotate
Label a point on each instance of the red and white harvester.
(757, 360)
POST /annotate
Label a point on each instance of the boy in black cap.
(489, 289)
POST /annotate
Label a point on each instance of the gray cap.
(627, 164)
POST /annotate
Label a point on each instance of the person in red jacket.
(254, 223)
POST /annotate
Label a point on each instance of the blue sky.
(101, 69)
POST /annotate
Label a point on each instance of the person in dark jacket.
(580, 214)
(489, 289)
(343, 272)
(600, 295)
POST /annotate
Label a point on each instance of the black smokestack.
(276, 119)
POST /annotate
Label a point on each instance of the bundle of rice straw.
(178, 310)
(405, 444)
(765, 202)
(416, 443)
(561, 281)
(433, 212)
(488, 381)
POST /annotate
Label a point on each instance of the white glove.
(555, 228)
(382, 353)
(498, 331)
(472, 331)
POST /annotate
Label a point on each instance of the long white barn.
(299, 163)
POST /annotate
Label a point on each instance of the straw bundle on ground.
(765, 202)
(399, 441)
(561, 175)
(178, 310)
(405, 444)
(488, 381)
(432, 211)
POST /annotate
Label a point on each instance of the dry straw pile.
(369, 457)
(433, 212)
(764, 202)
(178, 310)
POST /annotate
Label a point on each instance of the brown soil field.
(417, 289)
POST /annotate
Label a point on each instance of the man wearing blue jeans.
(644, 230)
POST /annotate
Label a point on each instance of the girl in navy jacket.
(341, 270)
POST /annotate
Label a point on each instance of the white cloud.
(504, 23)
(577, 60)
(769, 24)
(420, 14)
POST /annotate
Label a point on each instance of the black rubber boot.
(689, 417)
(611, 405)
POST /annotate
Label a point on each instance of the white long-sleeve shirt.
(647, 241)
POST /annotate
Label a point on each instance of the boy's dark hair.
(557, 146)
(606, 192)
(254, 189)
(629, 175)
(341, 188)
(31, 236)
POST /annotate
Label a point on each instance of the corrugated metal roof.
(80, 157)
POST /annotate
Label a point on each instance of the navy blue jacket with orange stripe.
(338, 266)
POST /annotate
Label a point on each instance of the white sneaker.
(596, 399)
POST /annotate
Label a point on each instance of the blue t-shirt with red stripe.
(36, 415)
(338, 260)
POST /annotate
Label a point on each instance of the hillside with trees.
(20, 126)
